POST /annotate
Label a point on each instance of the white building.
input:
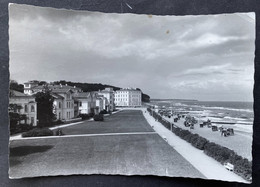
(63, 104)
(128, 97)
(87, 102)
(109, 94)
(29, 87)
(28, 106)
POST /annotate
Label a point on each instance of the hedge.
(84, 116)
(103, 112)
(98, 117)
(19, 128)
(242, 166)
(38, 132)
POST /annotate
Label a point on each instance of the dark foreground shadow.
(26, 150)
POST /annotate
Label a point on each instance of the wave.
(226, 108)
(180, 104)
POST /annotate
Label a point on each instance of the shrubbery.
(84, 116)
(242, 166)
(38, 132)
(103, 112)
(20, 128)
(91, 115)
(98, 117)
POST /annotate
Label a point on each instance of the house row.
(70, 102)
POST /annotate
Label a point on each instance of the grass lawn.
(128, 154)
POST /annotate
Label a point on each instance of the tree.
(45, 113)
(145, 98)
(15, 117)
(15, 86)
(42, 82)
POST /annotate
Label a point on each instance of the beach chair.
(230, 131)
(214, 128)
(224, 132)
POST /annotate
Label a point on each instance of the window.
(32, 109)
(59, 115)
(59, 104)
(80, 103)
(25, 108)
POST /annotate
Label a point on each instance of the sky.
(207, 57)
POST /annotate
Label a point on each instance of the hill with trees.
(88, 87)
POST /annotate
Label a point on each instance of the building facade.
(108, 93)
(128, 97)
(64, 104)
(58, 106)
(86, 102)
(28, 106)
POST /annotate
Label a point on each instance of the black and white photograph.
(130, 94)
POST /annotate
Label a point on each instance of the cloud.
(166, 56)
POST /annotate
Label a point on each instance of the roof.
(30, 82)
(65, 90)
(14, 93)
(55, 87)
(57, 96)
(63, 87)
(82, 95)
(128, 89)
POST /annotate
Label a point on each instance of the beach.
(239, 118)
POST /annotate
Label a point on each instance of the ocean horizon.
(237, 112)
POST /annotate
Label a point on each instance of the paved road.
(127, 154)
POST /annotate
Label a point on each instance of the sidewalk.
(209, 167)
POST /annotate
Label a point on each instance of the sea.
(226, 112)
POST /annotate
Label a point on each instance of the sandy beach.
(240, 142)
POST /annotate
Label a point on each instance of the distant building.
(32, 87)
(63, 103)
(29, 87)
(65, 107)
(86, 102)
(103, 104)
(28, 106)
(109, 94)
(128, 97)
(58, 106)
